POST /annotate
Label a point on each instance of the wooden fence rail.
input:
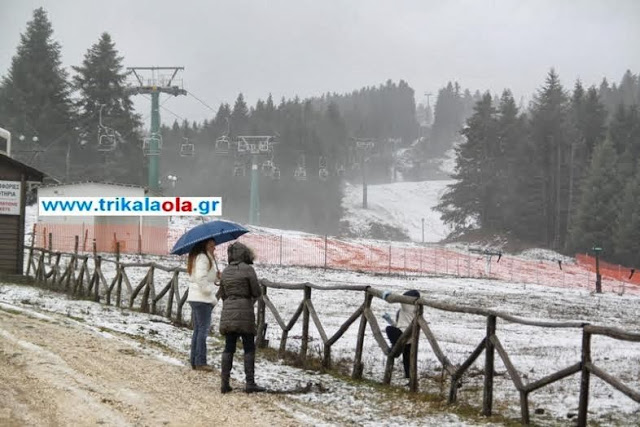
(77, 279)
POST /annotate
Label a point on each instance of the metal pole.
(254, 205)
(154, 141)
(364, 183)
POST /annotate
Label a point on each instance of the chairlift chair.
(267, 167)
(300, 173)
(238, 169)
(253, 149)
(222, 145)
(107, 143)
(187, 149)
(323, 173)
(243, 146)
(146, 146)
(276, 173)
(340, 170)
(263, 146)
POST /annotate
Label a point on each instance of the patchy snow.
(536, 352)
(402, 204)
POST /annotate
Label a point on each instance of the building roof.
(115, 184)
(32, 173)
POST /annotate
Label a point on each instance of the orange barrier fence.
(610, 271)
(307, 250)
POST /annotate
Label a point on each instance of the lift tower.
(153, 86)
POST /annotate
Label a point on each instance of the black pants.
(394, 335)
(248, 343)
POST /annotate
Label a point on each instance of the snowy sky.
(305, 47)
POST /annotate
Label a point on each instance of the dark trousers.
(201, 317)
(394, 335)
(248, 343)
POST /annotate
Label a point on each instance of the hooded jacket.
(239, 290)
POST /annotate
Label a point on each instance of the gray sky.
(310, 47)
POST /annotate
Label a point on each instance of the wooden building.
(14, 177)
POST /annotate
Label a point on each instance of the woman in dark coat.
(239, 290)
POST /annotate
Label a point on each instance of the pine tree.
(239, 116)
(472, 198)
(597, 214)
(627, 235)
(549, 133)
(101, 84)
(34, 96)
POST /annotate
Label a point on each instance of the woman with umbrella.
(200, 243)
(203, 279)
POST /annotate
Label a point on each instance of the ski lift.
(222, 145)
(340, 170)
(253, 148)
(148, 148)
(187, 149)
(323, 173)
(107, 143)
(263, 146)
(267, 167)
(239, 169)
(243, 146)
(276, 173)
(300, 173)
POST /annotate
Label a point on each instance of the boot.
(249, 371)
(225, 372)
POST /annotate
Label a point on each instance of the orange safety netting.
(611, 271)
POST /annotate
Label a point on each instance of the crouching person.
(239, 290)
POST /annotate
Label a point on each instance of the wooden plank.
(453, 388)
(375, 329)
(305, 326)
(413, 357)
(434, 344)
(513, 372)
(570, 370)
(274, 311)
(613, 333)
(345, 326)
(614, 382)
(316, 321)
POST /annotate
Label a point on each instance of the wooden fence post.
(96, 275)
(262, 325)
(357, 362)
(50, 245)
(487, 401)
(583, 406)
(413, 355)
(305, 325)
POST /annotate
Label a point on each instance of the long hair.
(199, 248)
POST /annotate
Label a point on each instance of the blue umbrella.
(220, 231)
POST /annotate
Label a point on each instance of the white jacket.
(202, 281)
(404, 318)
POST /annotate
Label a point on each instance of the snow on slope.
(402, 205)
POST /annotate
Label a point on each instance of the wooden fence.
(85, 283)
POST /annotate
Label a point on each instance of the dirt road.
(56, 372)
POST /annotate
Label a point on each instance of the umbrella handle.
(217, 268)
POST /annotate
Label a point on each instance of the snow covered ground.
(402, 204)
(535, 351)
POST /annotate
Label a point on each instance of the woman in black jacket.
(239, 290)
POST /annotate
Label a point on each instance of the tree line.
(55, 118)
(561, 174)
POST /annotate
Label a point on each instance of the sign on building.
(9, 197)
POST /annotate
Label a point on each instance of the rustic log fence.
(144, 297)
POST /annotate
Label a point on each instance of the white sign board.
(10, 197)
